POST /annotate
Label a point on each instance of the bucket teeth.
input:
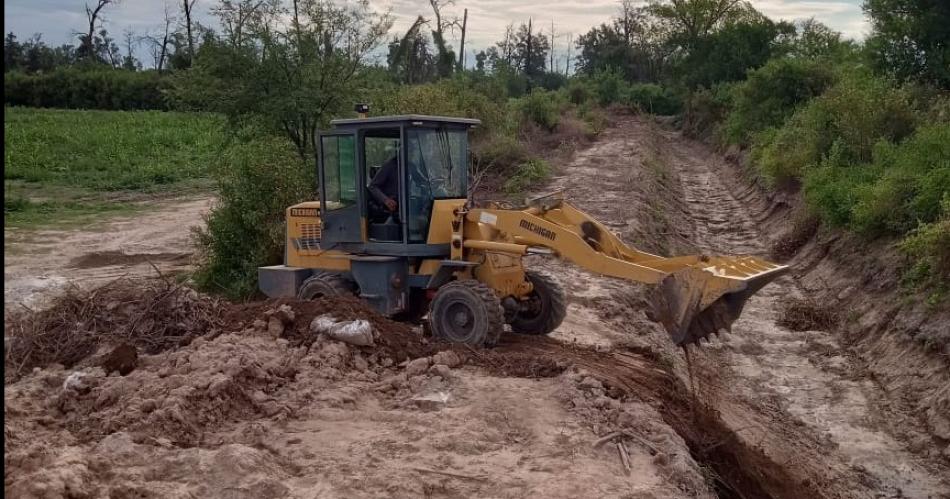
(694, 303)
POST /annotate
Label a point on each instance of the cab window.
(339, 171)
(438, 169)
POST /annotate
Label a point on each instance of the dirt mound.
(396, 339)
(152, 315)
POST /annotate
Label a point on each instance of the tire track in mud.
(779, 417)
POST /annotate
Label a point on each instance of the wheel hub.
(460, 318)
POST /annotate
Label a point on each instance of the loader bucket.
(705, 298)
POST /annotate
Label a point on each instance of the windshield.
(438, 169)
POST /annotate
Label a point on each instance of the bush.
(902, 187)
(499, 152)
(594, 117)
(651, 98)
(609, 86)
(705, 109)
(928, 247)
(76, 88)
(579, 92)
(526, 175)
(542, 108)
(257, 181)
(914, 179)
(451, 97)
(770, 95)
(853, 116)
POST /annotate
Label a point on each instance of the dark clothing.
(385, 184)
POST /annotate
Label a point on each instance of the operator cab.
(415, 161)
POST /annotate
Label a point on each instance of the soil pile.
(151, 315)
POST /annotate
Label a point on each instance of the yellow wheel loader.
(394, 226)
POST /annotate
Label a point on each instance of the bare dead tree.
(462, 43)
(94, 17)
(235, 15)
(187, 7)
(160, 41)
(570, 53)
(130, 41)
(553, 41)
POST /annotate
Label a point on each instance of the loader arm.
(698, 295)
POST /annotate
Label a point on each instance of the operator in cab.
(385, 185)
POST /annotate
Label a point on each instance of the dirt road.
(38, 263)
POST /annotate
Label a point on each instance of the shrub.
(499, 152)
(651, 98)
(594, 117)
(257, 181)
(914, 179)
(770, 95)
(609, 86)
(579, 92)
(542, 108)
(704, 109)
(446, 97)
(78, 88)
(528, 173)
(928, 247)
(853, 116)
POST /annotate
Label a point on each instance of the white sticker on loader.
(488, 218)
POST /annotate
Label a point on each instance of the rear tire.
(467, 311)
(324, 285)
(546, 306)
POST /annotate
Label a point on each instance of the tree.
(87, 49)
(445, 58)
(160, 41)
(911, 39)
(287, 78)
(694, 19)
(130, 41)
(187, 7)
(637, 43)
(410, 59)
(12, 52)
(813, 39)
(530, 50)
(731, 51)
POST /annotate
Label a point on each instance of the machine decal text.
(537, 229)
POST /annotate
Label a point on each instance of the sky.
(58, 20)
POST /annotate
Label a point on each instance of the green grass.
(60, 165)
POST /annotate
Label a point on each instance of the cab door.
(340, 195)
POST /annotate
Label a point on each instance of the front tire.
(545, 308)
(325, 285)
(467, 311)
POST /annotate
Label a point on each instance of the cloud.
(58, 20)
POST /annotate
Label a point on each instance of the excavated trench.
(768, 411)
(736, 470)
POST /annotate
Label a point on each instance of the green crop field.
(60, 164)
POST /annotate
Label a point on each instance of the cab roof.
(415, 119)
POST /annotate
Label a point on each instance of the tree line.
(678, 43)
